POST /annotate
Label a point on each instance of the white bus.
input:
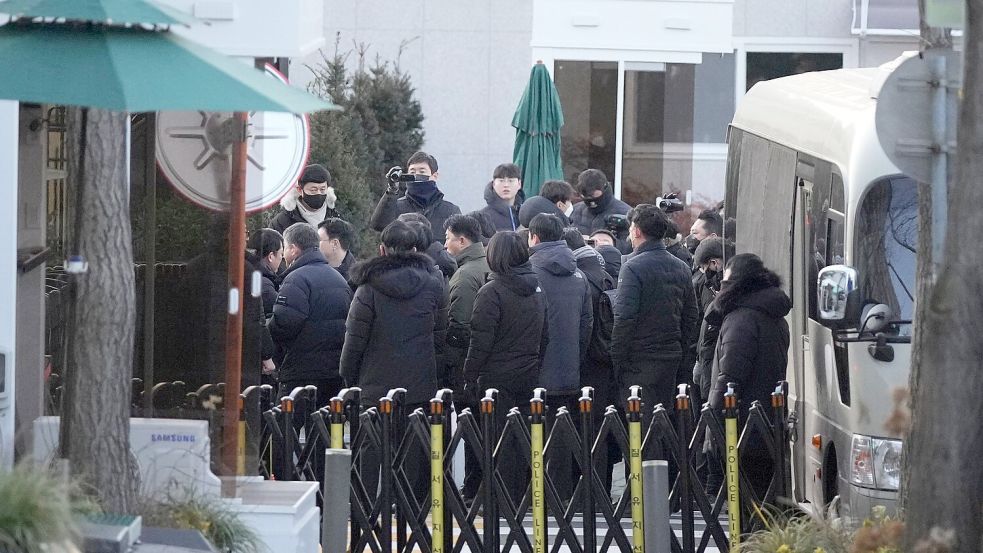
(817, 198)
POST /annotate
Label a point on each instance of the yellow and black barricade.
(635, 468)
(437, 475)
(536, 410)
(731, 466)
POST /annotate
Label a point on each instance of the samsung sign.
(184, 438)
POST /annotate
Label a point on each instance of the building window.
(764, 66)
(589, 95)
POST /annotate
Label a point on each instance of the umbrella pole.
(233, 335)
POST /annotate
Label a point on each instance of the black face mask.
(714, 279)
(692, 243)
(602, 201)
(315, 201)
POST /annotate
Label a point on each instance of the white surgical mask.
(569, 210)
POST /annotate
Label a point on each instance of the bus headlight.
(875, 463)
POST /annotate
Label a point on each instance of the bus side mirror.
(838, 296)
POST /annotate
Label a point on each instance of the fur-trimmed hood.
(399, 275)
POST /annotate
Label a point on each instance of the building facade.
(648, 87)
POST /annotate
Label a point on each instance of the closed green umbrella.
(537, 123)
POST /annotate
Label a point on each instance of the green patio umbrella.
(537, 123)
(120, 55)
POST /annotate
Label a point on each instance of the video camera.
(616, 223)
(670, 203)
(396, 175)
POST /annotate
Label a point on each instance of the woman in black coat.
(752, 348)
(508, 339)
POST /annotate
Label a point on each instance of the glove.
(392, 177)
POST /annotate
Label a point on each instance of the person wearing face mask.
(708, 224)
(421, 196)
(709, 263)
(555, 198)
(311, 201)
(503, 196)
(599, 202)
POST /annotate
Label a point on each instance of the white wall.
(469, 61)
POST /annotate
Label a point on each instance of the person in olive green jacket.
(463, 241)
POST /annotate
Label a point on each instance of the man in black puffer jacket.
(503, 196)
(654, 314)
(309, 316)
(555, 197)
(395, 331)
(421, 196)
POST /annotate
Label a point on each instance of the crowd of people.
(566, 289)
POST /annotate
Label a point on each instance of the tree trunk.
(945, 447)
(932, 37)
(95, 427)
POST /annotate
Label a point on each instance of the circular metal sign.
(194, 151)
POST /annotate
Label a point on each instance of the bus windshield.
(887, 241)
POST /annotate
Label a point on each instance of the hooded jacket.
(570, 316)
(292, 213)
(309, 318)
(654, 320)
(752, 349)
(508, 329)
(589, 220)
(499, 212)
(437, 210)
(536, 205)
(396, 326)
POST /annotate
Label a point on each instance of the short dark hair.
(591, 180)
(487, 227)
(506, 250)
(464, 225)
(650, 220)
(423, 157)
(414, 217)
(713, 248)
(672, 231)
(265, 241)
(557, 191)
(547, 227)
(340, 229)
(507, 171)
(574, 239)
(424, 236)
(399, 237)
(712, 221)
(315, 173)
(301, 235)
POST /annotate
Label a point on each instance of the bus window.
(887, 242)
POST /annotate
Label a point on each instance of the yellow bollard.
(538, 493)
(241, 440)
(635, 468)
(337, 423)
(733, 476)
(437, 474)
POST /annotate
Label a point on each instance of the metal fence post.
(446, 396)
(587, 467)
(731, 456)
(286, 459)
(536, 407)
(334, 525)
(684, 419)
(337, 421)
(635, 468)
(779, 433)
(655, 491)
(386, 474)
(489, 439)
(437, 475)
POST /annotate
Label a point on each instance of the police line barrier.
(405, 496)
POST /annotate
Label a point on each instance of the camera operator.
(422, 195)
(599, 202)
